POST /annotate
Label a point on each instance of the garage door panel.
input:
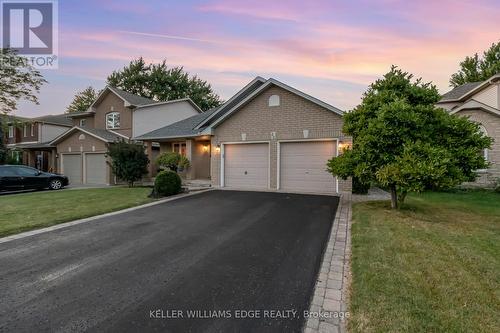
(303, 166)
(72, 167)
(95, 168)
(246, 165)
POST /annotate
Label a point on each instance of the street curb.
(92, 218)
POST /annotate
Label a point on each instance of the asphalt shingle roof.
(131, 98)
(104, 134)
(459, 91)
(185, 127)
(61, 119)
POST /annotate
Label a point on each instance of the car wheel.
(55, 184)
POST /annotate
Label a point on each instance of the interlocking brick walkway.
(329, 302)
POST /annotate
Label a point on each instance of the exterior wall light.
(217, 149)
(205, 148)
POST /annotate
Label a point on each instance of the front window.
(179, 147)
(113, 120)
(82, 122)
(11, 131)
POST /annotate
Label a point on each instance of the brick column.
(189, 154)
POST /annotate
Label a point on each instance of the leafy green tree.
(128, 161)
(402, 141)
(82, 100)
(18, 81)
(161, 83)
(473, 69)
(173, 161)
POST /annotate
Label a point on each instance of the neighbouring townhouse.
(28, 139)
(268, 136)
(115, 115)
(480, 102)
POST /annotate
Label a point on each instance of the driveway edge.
(332, 286)
(92, 218)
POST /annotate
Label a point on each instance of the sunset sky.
(330, 49)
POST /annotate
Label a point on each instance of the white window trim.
(113, 114)
(32, 129)
(11, 131)
(25, 130)
(274, 100)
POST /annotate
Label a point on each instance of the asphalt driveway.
(235, 261)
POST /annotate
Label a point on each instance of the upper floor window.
(113, 120)
(274, 100)
(32, 129)
(82, 122)
(25, 130)
(11, 131)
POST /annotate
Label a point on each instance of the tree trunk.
(402, 197)
(394, 197)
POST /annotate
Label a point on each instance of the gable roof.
(132, 99)
(237, 98)
(101, 134)
(180, 100)
(266, 85)
(467, 89)
(129, 99)
(56, 119)
(184, 128)
(250, 91)
(473, 104)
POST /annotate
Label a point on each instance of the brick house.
(480, 102)
(268, 136)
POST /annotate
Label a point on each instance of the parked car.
(20, 177)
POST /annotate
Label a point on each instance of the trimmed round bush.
(167, 183)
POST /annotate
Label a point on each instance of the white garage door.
(246, 165)
(303, 167)
(95, 168)
(72, 167)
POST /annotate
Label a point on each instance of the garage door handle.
(246, 172)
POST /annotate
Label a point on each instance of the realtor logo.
(30, 28)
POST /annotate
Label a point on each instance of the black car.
(20, 177)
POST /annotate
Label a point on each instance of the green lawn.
(434, 266)
(26, 211)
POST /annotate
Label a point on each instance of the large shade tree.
(475, 68)
(82, 100)
(162, 83)
(405, 143)
(18, 81)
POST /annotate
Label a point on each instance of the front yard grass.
(434, 266)
(26, 211)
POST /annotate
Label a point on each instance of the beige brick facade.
(257, 121)
(491, 123)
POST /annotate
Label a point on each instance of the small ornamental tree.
(173, 161)
(128, 161)
(402, 141)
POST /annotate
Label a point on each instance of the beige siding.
(488, 96)
(289, 120)
(492, 125)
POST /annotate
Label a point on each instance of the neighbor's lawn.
(432, 267)
(22, 212)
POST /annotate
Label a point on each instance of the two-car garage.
(300, 166)
(85, 168)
